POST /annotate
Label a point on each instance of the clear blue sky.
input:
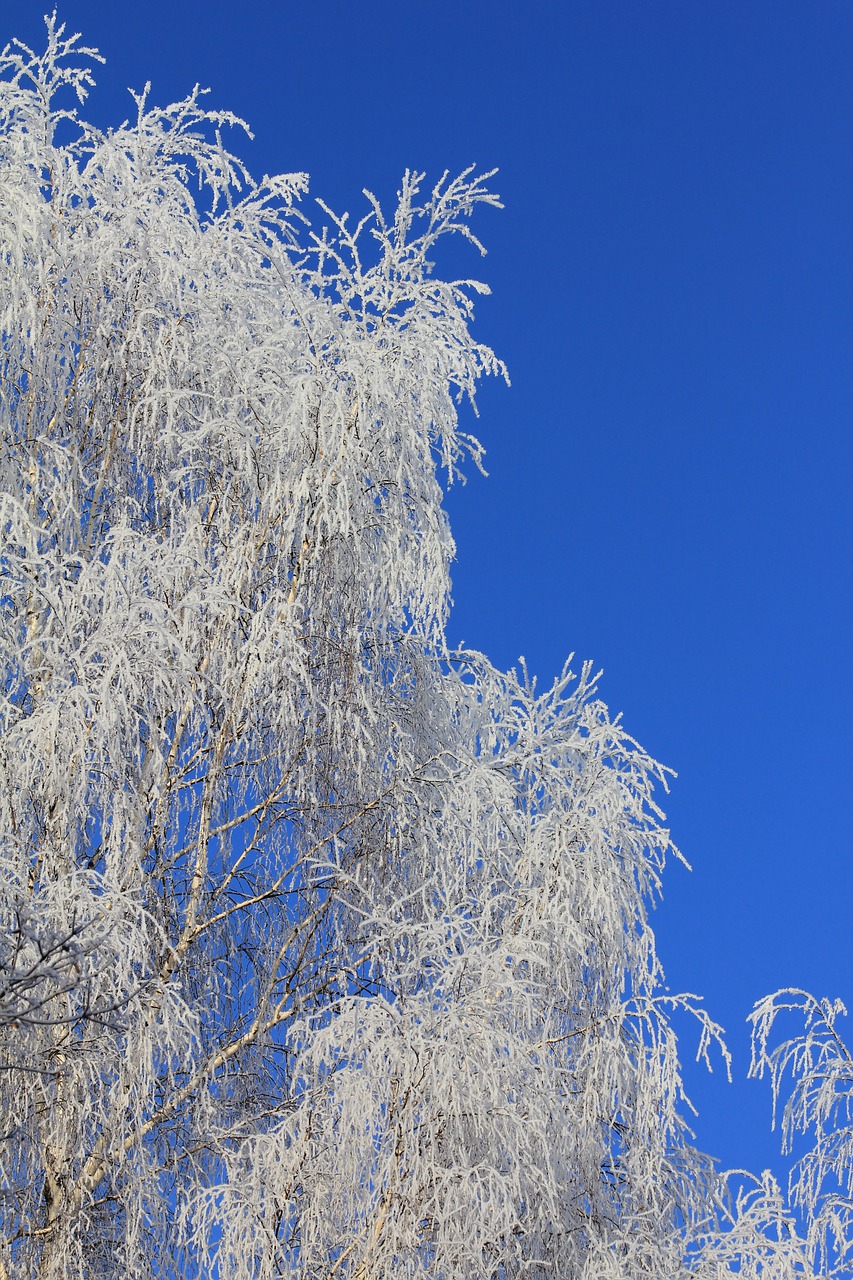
(670, 473)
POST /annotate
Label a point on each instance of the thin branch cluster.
(324, 950)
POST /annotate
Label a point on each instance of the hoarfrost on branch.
(325, 950)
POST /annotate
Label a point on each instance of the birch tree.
(325, 948)
(811, 1077)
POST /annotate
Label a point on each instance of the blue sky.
(670, 472)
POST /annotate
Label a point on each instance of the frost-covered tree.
(324, 949)
(819, 1107)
